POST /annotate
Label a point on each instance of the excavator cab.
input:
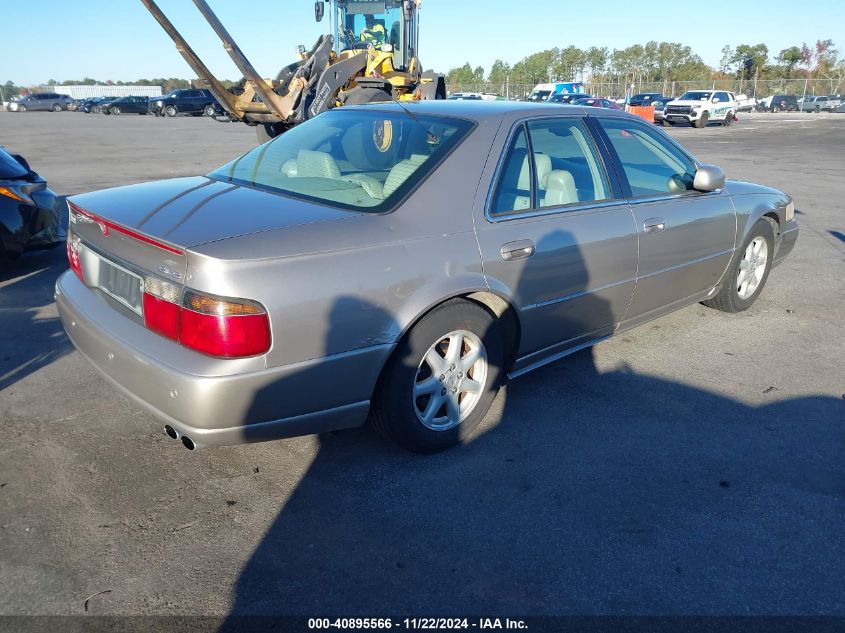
(357, 25)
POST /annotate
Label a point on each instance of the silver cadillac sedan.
(398, 264)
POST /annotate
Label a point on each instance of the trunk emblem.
(173, 274)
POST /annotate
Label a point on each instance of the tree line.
(656, 62)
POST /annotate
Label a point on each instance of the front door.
(687, 238)
(558, 238)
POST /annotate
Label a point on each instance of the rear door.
(686, 237)
(557, 237)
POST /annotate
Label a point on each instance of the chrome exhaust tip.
(172, 433)
(188, 443)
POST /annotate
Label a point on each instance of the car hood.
(197, 210)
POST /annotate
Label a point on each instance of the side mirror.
(709, 178)
(319, 10)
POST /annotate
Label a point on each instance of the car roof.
(481, 110)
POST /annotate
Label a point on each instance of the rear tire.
(441, 379)
(366, 95)
(209, 110)
(56, 108)
(268, 131)
(115, 110)
(729, 119)
(743, 282)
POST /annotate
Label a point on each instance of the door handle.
(654, 225)
(517, 250)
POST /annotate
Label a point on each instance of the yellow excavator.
(370, 55)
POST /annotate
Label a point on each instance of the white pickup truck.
(700, 107)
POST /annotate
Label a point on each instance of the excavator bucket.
(272, 108)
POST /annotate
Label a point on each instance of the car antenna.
(433, 139)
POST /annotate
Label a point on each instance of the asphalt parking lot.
(690, 466)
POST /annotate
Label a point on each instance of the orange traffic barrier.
(645, 112)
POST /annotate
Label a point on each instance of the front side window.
(560, 168)
(359, 160)
(652, 165)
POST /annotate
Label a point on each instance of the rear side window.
(652, 165)
(513, 191)
(560, 167)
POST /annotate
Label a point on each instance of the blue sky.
(119, 40)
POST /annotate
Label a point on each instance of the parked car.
(783, 103)
(193, 101)
(646, 98)
(48, 101)
(100, 103)
(126, 105)
(744, 103)
(831, 103)
(659, 107)
(29, 211)
(700, 107)
(807, 104)
(465, 96)
(568, 97)
(593, 102)
(397, 266)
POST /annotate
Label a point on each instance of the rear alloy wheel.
(442, 378)
(56, 107)
(702, 120)
(170, 111)
(115, 110)
(747, 275)
(209, 110)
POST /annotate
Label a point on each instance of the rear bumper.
(210, 407)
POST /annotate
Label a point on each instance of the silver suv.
(41, 101)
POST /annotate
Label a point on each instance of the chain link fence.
(753, 88)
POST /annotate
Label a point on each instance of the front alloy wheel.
(752, 267)
(749, 271)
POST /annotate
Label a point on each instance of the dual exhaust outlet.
(173, 434)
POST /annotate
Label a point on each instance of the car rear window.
(353, 159)
(9, 167)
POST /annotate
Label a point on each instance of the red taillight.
(73, 255)
(228, 328)
(226, 336)
(162, 316)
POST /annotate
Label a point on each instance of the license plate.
(121, 285)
